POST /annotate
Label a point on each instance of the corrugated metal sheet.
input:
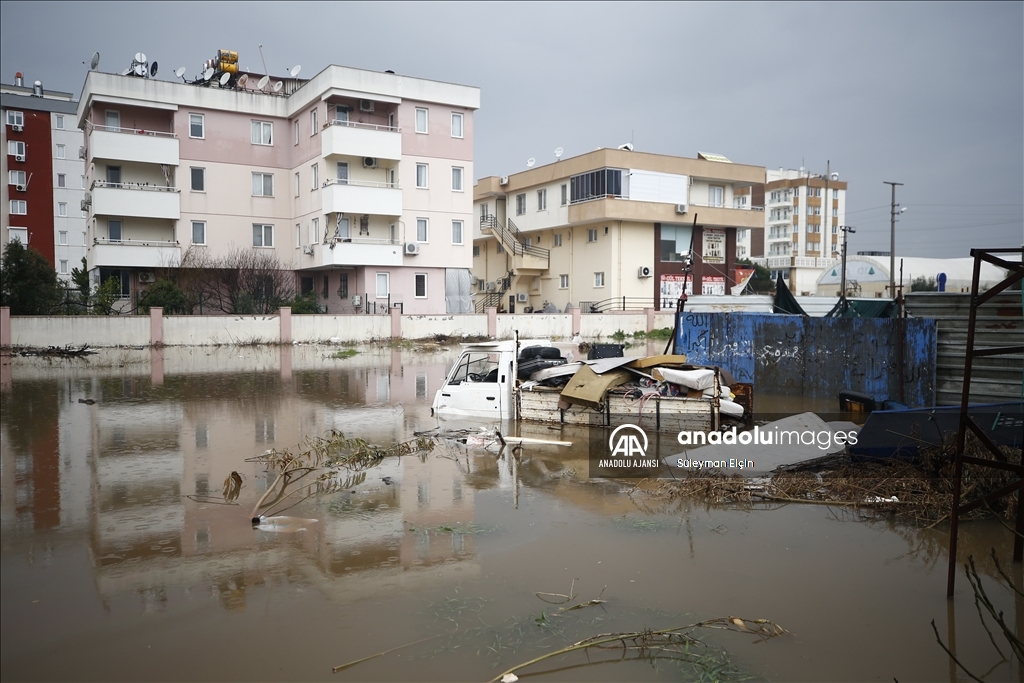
(817, 357)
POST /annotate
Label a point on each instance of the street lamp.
(842, 287)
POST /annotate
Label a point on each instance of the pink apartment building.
(359, 182)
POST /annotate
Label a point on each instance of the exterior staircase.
(526, 260)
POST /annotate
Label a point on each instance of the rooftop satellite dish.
(140, 69)
(530, 162)
(179, 72)
(242, 80)
(263, 83)
(558, 152)
(295, 70)
(224, 78)
(278, 86)
(126, 71)
(140, 56)
(208, 74)
(152, 70)
(95, 61)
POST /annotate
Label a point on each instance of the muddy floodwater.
(120, 562)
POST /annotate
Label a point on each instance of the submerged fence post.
(156, 326)
(396, 323)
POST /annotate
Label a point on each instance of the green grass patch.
(343, 354)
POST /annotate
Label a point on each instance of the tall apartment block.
(354, 180)
(44, 182)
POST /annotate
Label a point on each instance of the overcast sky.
(930, 95)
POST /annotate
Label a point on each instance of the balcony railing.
(337, 239)
(129, 131)
(132, 186)
(368, 126)
(136, 243)
(362, 183)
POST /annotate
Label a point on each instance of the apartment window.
(421, 120)
(421, 285)
(83, 182)
(520, 204)
(18, 177)
(457, 178)
(542, 200)
(716, 195)
(421, 176)
(599, 279)
(565, 194)
(501, 249)
(341, 114)
(62, 180)
(198, 232)
(421, 229)
(62, 237)
(456, 125)
(592, 235)
(835, 213)
(197, 125)
(61, 152)
(295, 131)
(262, 235)
(314, 121)
(15, 118)
(343, 286)
(58, 121)
(85, 239)
(114, 231)
(325, 291)
(19, 207)
(314, 173)
(114, 175)
(298, 186)
(557, 240)
(20, 234)
(298, 235)
(456, 232)
(16, 147)
(198, 176)
(342, 229)
(262, 133)
(263, 184)
(314, 228)
(63, 266)
(476, 250)
(383, 285)
(835, 194)
(62, 209)
(595, 185)
(563, 281)
(342, 173)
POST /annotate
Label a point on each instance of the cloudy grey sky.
(930, 95)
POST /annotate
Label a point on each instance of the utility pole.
(892, 239)
(842, 291)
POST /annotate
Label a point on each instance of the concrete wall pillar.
(285, 312)
(5, 327)
(396, 323)
(492, 322)
(156, 326)
(649, 312)
(575, 320)
(156, 363)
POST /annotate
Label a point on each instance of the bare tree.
(245, 281)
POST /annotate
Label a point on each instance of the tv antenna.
(295, 70)
(530, 162)
(558, 153)
(265, 69)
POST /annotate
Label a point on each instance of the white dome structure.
(869, 275)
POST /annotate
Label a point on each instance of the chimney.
(37, 89)
(18, 79)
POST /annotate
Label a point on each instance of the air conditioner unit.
(88, 198)
(681, 208)
(491, 286)
(19, 157)
(366, 105)
(522, 298)
(307, 249)
(503, 180)
(85, 205)
(17, 129)
(21, 188)
(411, 248)
(81, 152)
(146, 277)
(644, 271)
(369, 162)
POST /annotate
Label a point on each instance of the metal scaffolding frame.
(1015, 275)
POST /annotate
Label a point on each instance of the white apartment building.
(354, 180)
(801, 238)
(43, 187)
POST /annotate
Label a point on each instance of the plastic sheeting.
(458, 290)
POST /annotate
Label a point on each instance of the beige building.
(608, 229)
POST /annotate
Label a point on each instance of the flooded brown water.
(110, 571)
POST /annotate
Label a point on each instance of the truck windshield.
(475, 367)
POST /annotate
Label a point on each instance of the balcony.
(131, 144)
(133, 253)
(135, 200)
(361, 197)
(356, 251)
(348, 138)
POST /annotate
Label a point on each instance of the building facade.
(353, 180)
(608, 228)
(801, 236)
(44, 181)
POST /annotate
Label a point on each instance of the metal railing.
(136, 243)
(595, 197)
(132, 186)
(368, 126)
(336, 239)
(130, 131)
(628, 303)
(511, 238)
(361, 183)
